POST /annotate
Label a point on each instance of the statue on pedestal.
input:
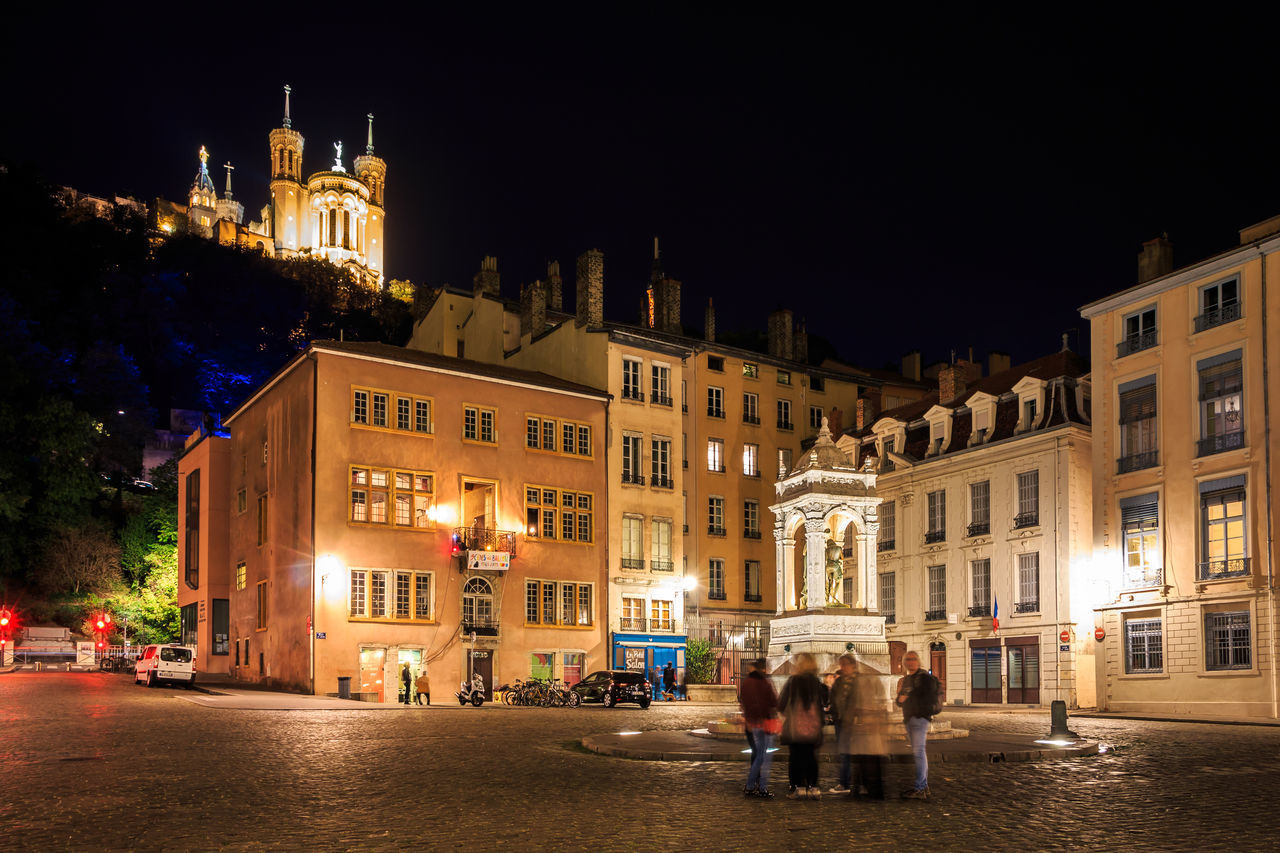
(835, 573)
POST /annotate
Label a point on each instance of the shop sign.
(489, 561)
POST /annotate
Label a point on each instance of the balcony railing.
(979, 528)
(635, 563)
(635, 479)
(935, 536)
(715, 531)
(935, 615)
(1220, 443)
(483, 626)
(980, 610)
(662, 565)
(1217, 316)
(664, 625)
(1140, 578)
(1026, 519)
(634, 623)
(1137, 461)
(885, 545)
(632, 394)
(890, 618)
(1214, 569)
(660, 401)
(786, 425)
(662, 482)
(1026, 606)
(716, 595)
(715, 412)
(639, 623)
(751, 419)
(752, 596)
(751, 534)
(485, 539)
(1137, 343)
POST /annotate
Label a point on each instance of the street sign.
(320, 635)
(1065, 636)
(1066, 647)
(1099, 634)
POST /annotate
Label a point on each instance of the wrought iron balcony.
(634, 563)
(660, 401)
(885, 545)
(1217, 316)
(662, 482)
(716, 595)
(935, 536)
(632, 394)
(1214, 569)
(484, 539)
(1220, 443)
(1026, 606)
(1137, 343)
(979, 528)
(1140, 578)
(662, 565)
(980, 610)
(633, 623)
(634, 479)
(1137, 461)
(752, 596)
(786, 425)
(935, 615)
(751, 419)
(714, 530)
(483, 626)
(715, 412)
(1026, 519)
(751, 534)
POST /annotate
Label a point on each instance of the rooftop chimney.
(590, 288)
(555, 287)
(1156, 259)
(911, 365)
(486, 281)
(866, 412)
(835, 420)
(781, 342)
(998, 362)
(533, 309)
(710, 327)
(800, 348)
(952, 381)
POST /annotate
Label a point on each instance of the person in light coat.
(864, 727)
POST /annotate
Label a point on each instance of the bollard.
(1058, 711)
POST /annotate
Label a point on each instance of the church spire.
(368, 149)
(288, 122)
(228, 167)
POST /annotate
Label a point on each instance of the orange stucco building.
(374, 507)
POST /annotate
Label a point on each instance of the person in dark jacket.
(917, 691)
(668, 682)
(760, 715)
(801, 702)
(406, 678)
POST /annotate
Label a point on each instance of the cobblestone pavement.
(90, 761)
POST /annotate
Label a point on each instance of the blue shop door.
(662, 657)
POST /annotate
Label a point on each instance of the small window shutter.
(1222, 484)
(1139, 508)
(1138, 400)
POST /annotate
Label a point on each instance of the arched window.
(333, 228)
(346, 229)
(477, 603)
(280, 167)
(291, 161)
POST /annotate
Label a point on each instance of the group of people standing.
(856, 702)
(664, 685)
(411, 688)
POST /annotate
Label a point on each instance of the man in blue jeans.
(655, 684)
(917, 691)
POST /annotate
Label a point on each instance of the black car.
(611, 687)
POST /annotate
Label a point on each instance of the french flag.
(995, 618)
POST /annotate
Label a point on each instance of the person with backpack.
(801, 702)
(918, 696)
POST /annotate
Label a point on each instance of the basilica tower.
(372, 172)
(204, 199)
(289, 207)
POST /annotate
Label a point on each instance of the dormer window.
(939, 419)
(1028, 414)
(1030, 393)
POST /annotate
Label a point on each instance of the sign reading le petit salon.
(489, 561)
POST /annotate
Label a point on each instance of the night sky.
(932, 180)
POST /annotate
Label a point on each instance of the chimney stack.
(486, 281)
(533, 309)
(781, 343)
(710, 327)
(835, 421)
(555, 287)
(998, 362)
(800, 348)
(1156, 259)
(866, 412)
(590, 288)
(952, 381)
(911, 365)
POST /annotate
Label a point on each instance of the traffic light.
(102, 629)
(5, 618)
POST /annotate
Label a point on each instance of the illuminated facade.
(426, 531)
(985, 495)
(335, 214)
(1182, 467)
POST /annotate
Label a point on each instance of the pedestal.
(827, 634)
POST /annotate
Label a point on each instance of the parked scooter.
(473, 692)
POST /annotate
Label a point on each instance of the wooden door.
(984, 677)
(938, 666)
(1024, 674)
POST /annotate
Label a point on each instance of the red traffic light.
(102, 644)
(4, 618)
(101, 623)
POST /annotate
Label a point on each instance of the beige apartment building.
(373, 507)
(985, 495)
(696, 432)
(1183, 516)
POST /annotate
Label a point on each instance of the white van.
(172, 662)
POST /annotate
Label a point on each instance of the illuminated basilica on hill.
(333, 214)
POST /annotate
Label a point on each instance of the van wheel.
(151, 678)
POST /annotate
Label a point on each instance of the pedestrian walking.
(918, 697)
(759, 704)
(655, 682)
(801, 703)
(423, 686)
(841, 703)
(668, 682)
(868, 732)
(406, 678)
